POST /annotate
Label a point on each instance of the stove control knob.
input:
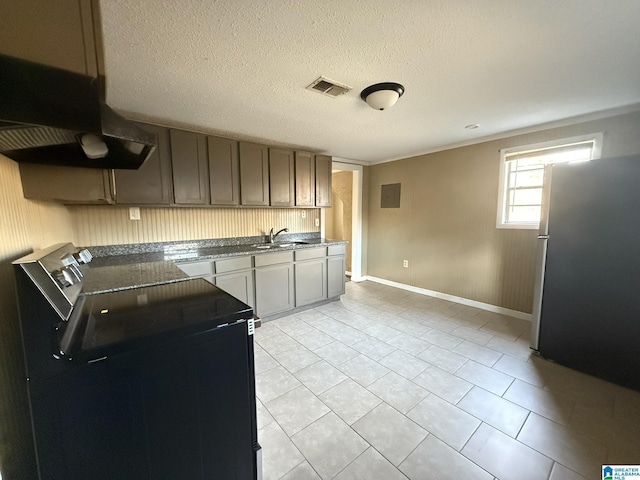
(83, 256)
(64, 278)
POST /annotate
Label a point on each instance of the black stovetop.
(115, 322)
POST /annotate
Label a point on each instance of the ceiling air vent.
(328, 87)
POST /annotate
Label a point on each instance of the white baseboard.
(451, 298)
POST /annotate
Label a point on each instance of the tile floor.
(387, 384)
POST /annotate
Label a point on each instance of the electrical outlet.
(134, 213)
(405, 263)
(304, 214)
(317, 222)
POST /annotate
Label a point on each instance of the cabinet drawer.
(273, 258)
(336, 250)
(233, 264)
(309, 253)
(196, 269)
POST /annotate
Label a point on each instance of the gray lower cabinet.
(238, 284)
(274, 283)
(310, 276)
(335, 270)
(235, 276)
(200, 269)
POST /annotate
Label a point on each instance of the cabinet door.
(311, 281)
(305, 179)
(274, 289)
(323, 181)
(238, 284)
(65, 184)
(189, 168)
(254, 174)
(59, 34)
(224, 179)
(335, 276)
(151, 183)
(281, 178)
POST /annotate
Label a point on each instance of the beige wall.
(24, 226)
(109, 225)
(339, 218)
(446, 223)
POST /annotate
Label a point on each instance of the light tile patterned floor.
(387, 384)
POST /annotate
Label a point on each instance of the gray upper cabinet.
(66, 184)
(323, 181)
(281, 178)
(61, 34)
(254, 174)
(305, 172)
(190, 168)
(151, 183)
(224, 171)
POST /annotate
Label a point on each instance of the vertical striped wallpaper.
(109, 225)
(24, 226)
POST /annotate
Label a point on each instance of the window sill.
(518, 226)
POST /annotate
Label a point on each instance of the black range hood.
(47, 114)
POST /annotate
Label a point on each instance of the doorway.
(343, 221)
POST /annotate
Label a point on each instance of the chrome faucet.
(272, 236)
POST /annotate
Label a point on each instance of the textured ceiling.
(239, 68)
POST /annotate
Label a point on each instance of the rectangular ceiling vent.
(328, 87)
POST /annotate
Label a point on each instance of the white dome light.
(382, 95)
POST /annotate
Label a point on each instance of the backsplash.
(108, 225)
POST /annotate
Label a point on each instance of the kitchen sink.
(266, 246)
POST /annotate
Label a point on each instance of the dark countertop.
(111, 278)
(135, 270)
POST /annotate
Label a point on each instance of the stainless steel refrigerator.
(586, 311)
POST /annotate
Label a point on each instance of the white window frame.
(502, 192)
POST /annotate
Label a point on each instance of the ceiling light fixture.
(472, 126)
(382, 95)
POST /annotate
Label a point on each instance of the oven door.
(183, 411)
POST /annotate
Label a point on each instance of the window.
(522, 176)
